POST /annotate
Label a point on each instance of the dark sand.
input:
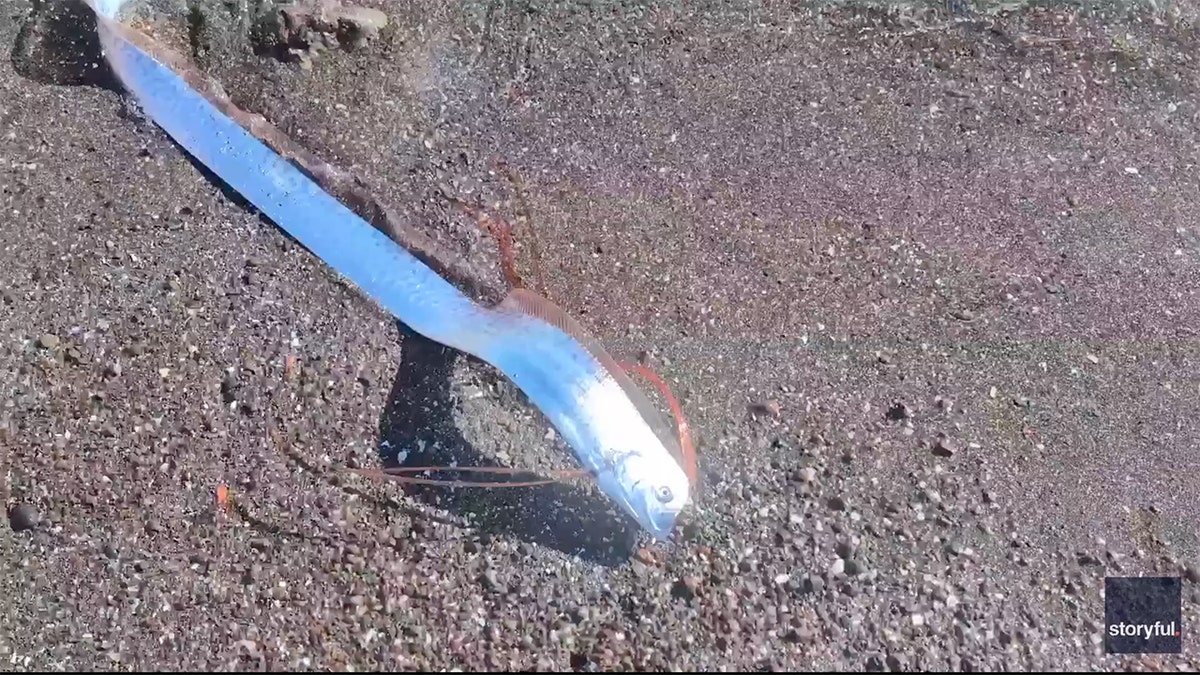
(807, 218)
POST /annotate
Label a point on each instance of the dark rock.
(769, 408)
(1191, 573)
(685, 588)
(898, 412)
(580, 662)
(23, 517)
(229, 387)
(845, 549)
(944, 447)
(814, 584)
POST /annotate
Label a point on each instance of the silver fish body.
(592, 411)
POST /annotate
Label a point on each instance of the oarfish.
(610, 426)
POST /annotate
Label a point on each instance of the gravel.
(902, 239)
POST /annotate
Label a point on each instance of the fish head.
(653, 489)
(634, 467)
(615, 432)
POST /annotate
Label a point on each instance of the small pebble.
(845, 549)
(686, 587)
(899, 411)
(1191, 573)
(766, 409)
(23, 517)
(814, 584)
(945, 447)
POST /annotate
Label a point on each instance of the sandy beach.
(925, 280)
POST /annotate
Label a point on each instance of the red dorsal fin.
(395, 473)
(687, 447)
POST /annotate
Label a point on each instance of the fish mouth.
(661, 524)
(658, 522)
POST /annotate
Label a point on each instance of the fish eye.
(664, 494)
